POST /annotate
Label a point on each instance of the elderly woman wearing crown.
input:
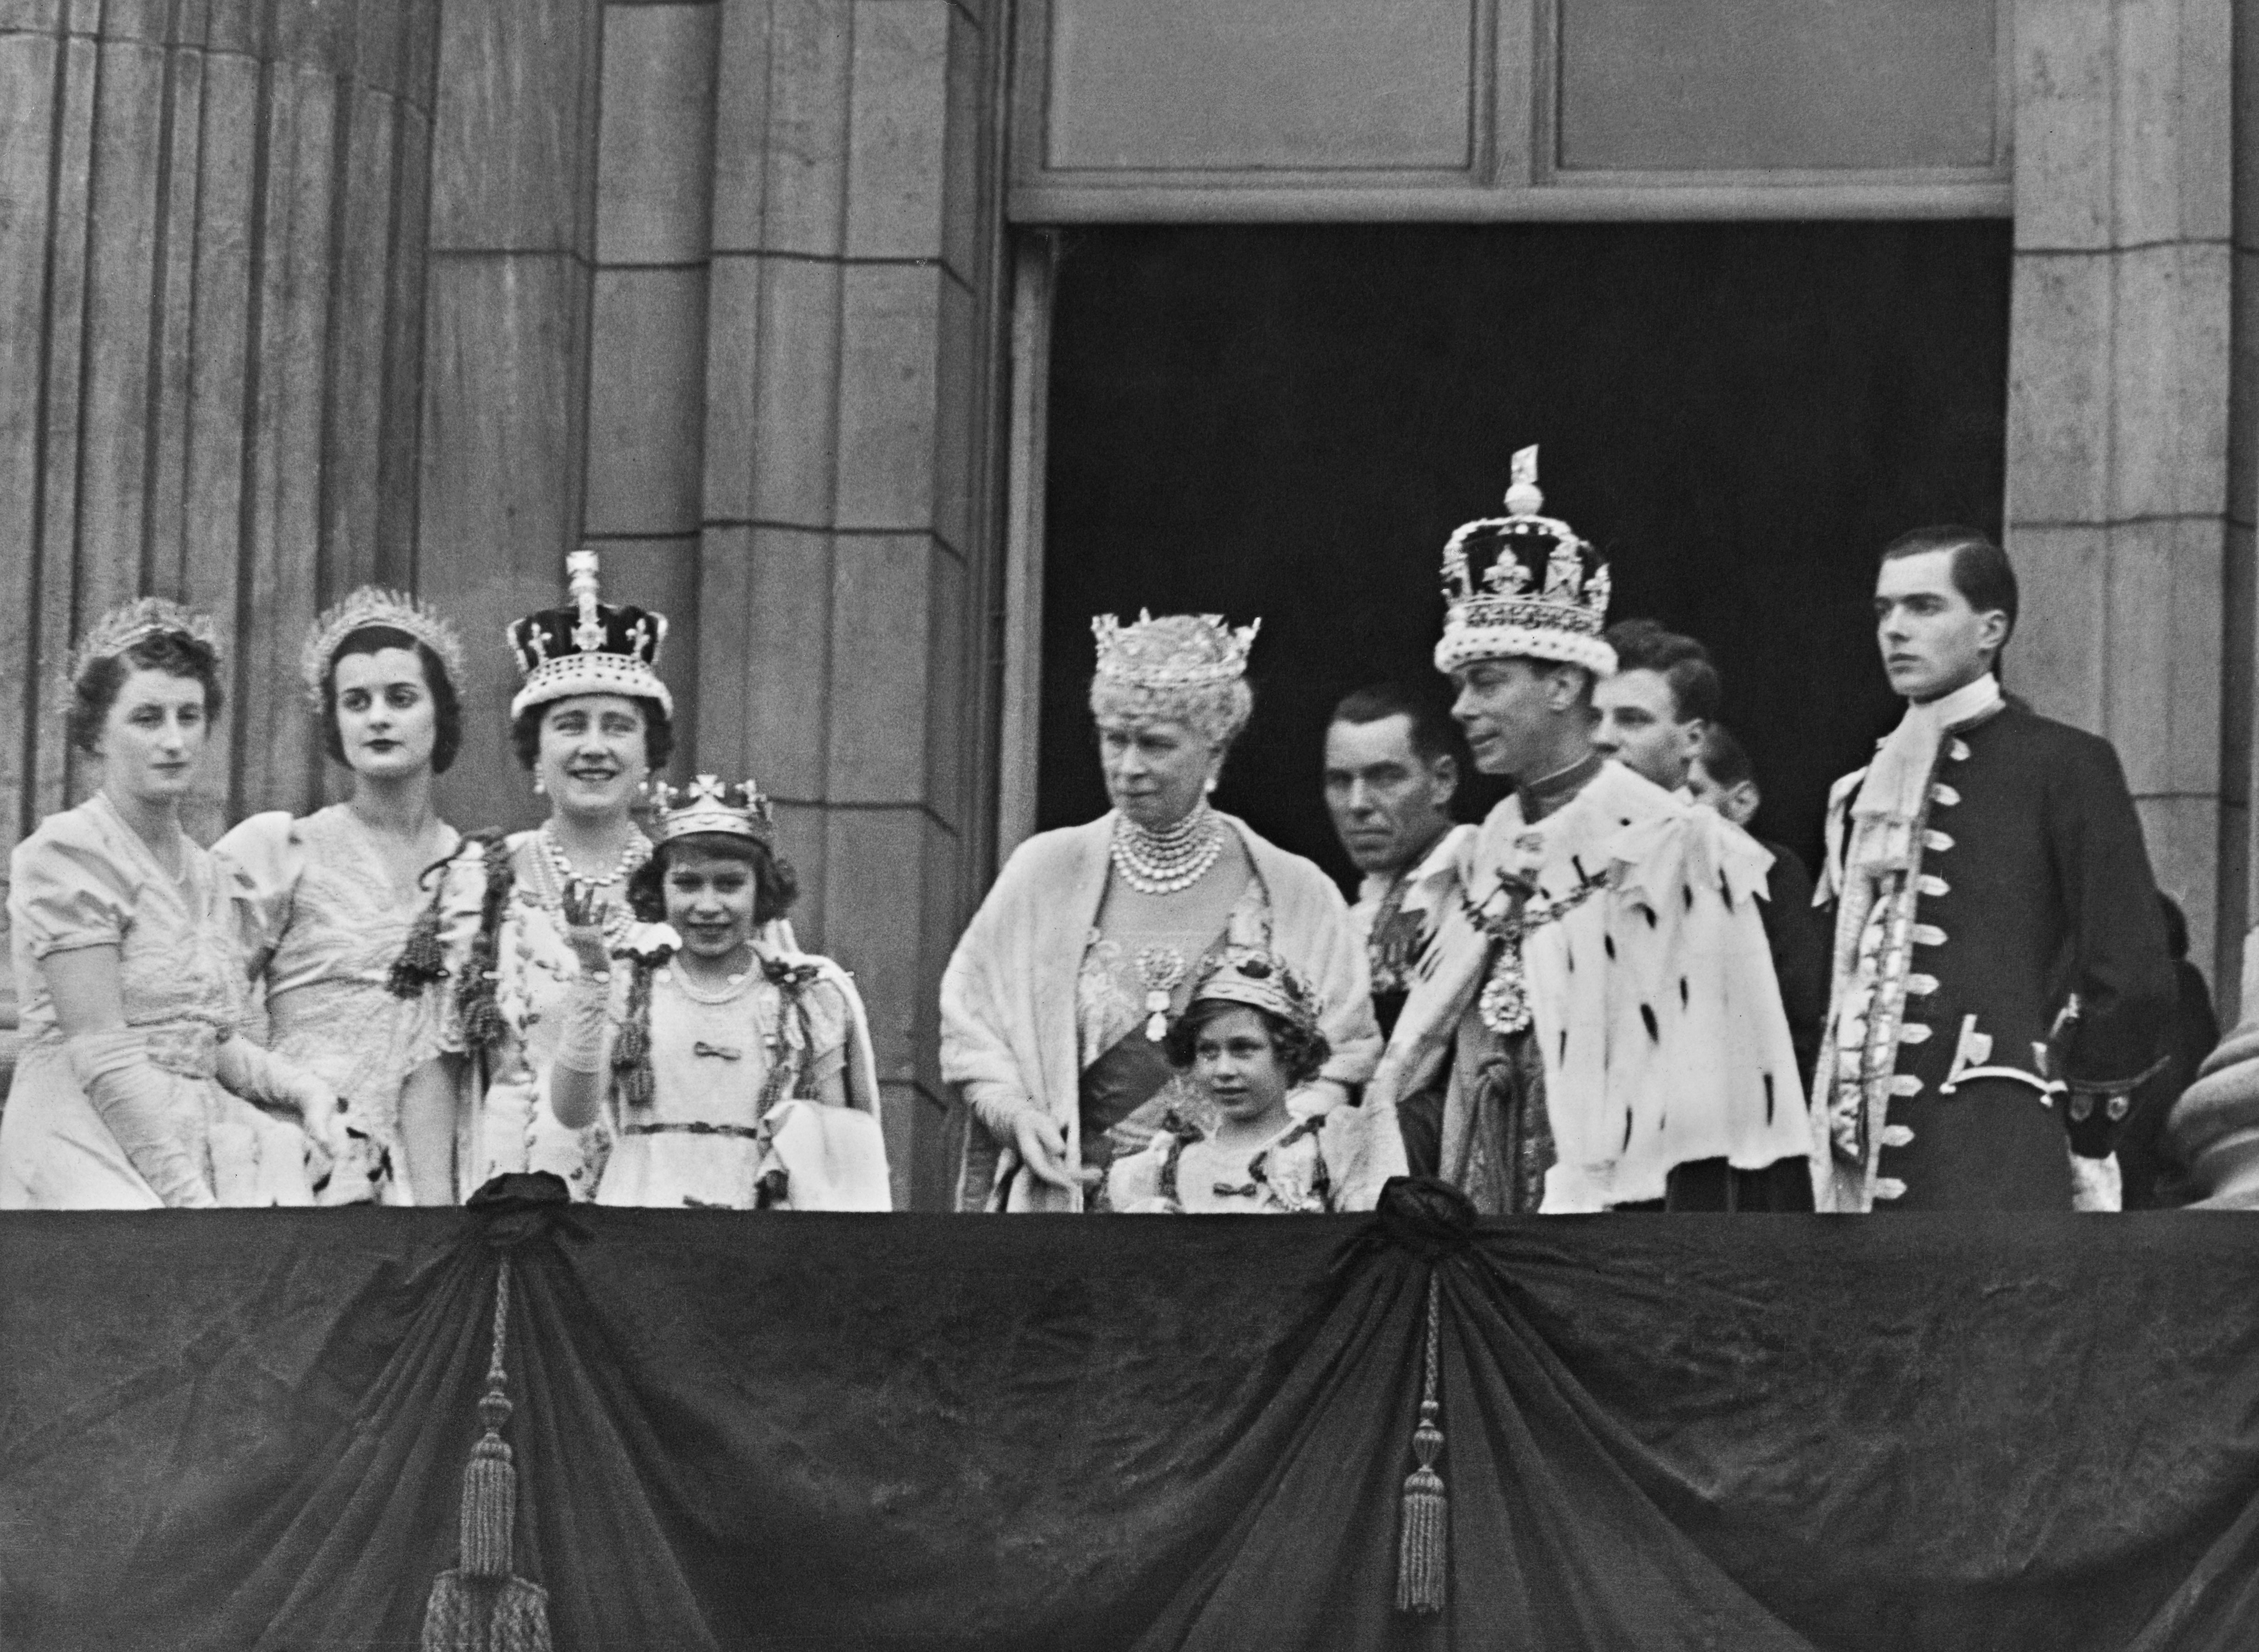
(136, 1089)
(327, 899)
(1057, 1001)
(742, 1078)
(591, 720)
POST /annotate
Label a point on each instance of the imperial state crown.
(1524, 585)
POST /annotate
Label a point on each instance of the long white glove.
(342, 1165)
(157, 1117)
(584, 1038)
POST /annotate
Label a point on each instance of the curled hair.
(1641, 644)
(658, 731)
(94, 691)
(446, 705)
(775, 885)
(1216, 712)
(1302, 1051)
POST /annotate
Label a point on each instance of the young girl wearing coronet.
(741, 1077)
(1249, 1035)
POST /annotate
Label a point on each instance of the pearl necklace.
(560, 875)
(733, 988)
(1164, 862)
(633, 854)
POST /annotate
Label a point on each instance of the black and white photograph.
(656, 654)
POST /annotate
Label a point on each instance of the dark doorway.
(1289, 422)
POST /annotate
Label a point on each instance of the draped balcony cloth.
(247, 1429)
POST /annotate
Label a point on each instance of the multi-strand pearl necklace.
(1160, 863)
(562, 876)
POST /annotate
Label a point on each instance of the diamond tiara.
(371, 606)
(137, 620)
(1177, 650)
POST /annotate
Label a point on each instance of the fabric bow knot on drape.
(1433, 1221)
(480, 1604)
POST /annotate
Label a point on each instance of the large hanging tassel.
(479, 1606)
(423, 961)
(1422, 1547)
(475, 995)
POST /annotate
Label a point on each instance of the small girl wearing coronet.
(740, 1077)
(1248, 1037)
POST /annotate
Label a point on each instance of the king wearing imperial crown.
(1600, 979)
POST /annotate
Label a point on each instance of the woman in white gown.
(136, 1088)
(328, 900)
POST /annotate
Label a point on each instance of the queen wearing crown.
(591, 720)
(327, 899)
(741, 1077)
(137, 1088)
(1058, 1001)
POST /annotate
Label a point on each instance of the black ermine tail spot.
(1768, 1079)
(1687, 893)
(1627, 1141)
(1650, 912)
(1725, 892)
(1564, 1057)
(1609, 942)
(1647, 1014)
(1682, 992)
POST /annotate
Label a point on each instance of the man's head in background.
(1653, 711)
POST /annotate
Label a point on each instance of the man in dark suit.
(2001, 984)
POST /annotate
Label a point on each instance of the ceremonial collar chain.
(1176, 857)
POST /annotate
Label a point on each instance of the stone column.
(2215, 1129)
(505, 351)
(212, 220)
(2118, 497)
(850, 552)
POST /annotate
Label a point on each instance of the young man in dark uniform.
(2000, 981)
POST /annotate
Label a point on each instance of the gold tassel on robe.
(478, 1605)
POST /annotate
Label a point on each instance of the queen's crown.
(1177, 650)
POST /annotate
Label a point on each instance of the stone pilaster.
(211, 279)
(2117, 496)
(849, 539)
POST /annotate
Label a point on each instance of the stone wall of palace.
(299, 294)
(427, 291)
